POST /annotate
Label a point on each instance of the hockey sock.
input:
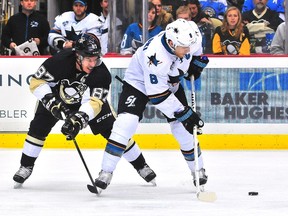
(139, 163)
(27, 161)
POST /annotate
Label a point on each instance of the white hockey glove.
(55, 106)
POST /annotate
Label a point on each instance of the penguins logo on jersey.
(210, 11)
(232, 47)
(71, 93)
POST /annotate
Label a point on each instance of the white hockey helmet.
(182, 33)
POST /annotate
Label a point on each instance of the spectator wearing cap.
(27, 25)
(69, 26)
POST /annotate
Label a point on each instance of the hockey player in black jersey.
(73, 86)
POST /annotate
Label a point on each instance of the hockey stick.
(201, 194)
(92, 188)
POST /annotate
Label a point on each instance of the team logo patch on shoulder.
(153, 60)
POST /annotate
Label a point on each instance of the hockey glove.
(55, 106)
(58, 43)
(189, 119)
(74, 123)
(197, 65)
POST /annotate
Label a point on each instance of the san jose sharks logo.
(153, 60)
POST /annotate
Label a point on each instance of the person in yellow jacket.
(232, 37)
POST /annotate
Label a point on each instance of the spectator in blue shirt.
(214, 8)
(133, 39)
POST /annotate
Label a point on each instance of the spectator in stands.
(236, 3)
(164, 17)
(183, 12)
(277, 6)
(278, 42)
(262, 24)
(196, 12)
(133, 39)
(69, 26)
(105, 20)
(214, 8)
(232, 37)
(204, 22)
(24, 26)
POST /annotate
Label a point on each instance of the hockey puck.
(253, 193)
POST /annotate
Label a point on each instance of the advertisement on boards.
(17, 102)
(230, 95)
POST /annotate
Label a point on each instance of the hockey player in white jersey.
(154, 75)
(69, 26)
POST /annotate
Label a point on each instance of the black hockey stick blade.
(92, 189)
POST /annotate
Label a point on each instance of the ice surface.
(58, 185)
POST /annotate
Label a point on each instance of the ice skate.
(148, 174)
(202, 178)
(103, 180)
(21, 175)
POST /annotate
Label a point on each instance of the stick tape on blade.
(207, 196)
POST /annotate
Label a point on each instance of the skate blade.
(207, 196)
(99, 191)
(153, 182)
(18, 185)
(202, 189)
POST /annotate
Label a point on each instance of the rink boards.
(241, 100)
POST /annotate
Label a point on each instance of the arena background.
(241, 99)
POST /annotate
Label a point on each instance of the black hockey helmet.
(88, 45)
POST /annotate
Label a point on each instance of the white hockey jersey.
(155, 70)
(66, 27)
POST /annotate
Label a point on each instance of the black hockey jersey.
(59, 75)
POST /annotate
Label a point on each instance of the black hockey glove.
(197, 65)
(189, 119)
(55, 106)
(58, 43)
(74, 123)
